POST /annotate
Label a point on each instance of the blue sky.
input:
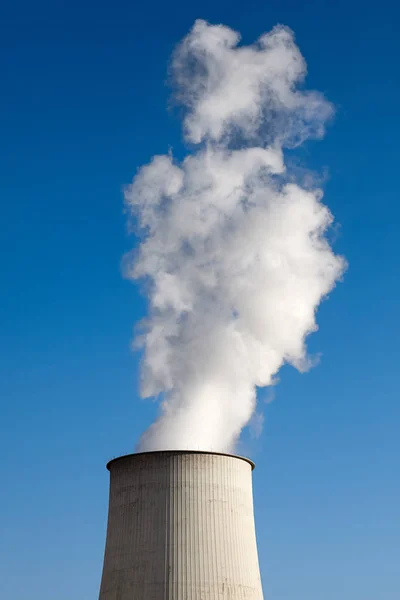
(82, 106)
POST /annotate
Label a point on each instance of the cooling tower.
(181, 527)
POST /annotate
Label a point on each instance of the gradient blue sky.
(82, 105)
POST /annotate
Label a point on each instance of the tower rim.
(179, 453)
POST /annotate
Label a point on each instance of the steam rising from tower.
(234, 249)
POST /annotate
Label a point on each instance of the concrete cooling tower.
(181, 527)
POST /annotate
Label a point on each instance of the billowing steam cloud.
(233, 250)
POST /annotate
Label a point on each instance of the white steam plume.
(233, 251)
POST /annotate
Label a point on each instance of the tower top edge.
(177, 453)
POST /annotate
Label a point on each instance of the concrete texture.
(180, 527)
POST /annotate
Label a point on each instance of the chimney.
(181, 527)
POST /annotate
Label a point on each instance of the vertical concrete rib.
(180, 527)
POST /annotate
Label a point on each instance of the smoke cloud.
(233, 250)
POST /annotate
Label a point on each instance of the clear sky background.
(82, 105)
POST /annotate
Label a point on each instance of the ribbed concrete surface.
(180, 527)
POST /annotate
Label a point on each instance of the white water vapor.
(233, 250)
